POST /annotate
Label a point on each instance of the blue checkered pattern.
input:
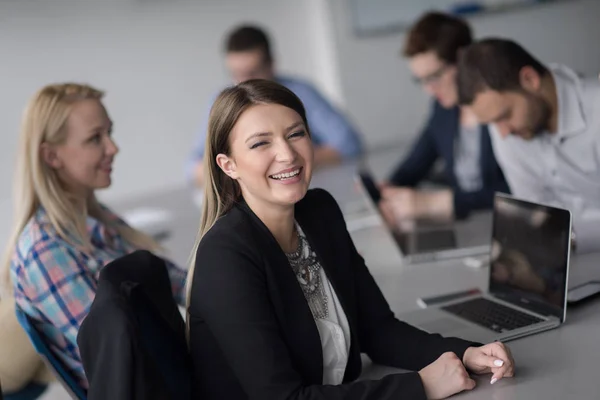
(55, 282)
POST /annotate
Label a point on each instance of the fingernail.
(498, 363)
(494, 380)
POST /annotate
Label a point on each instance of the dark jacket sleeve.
(389, 341)
(107, 379)
(383, 337)
(414, 168)
(230, 292)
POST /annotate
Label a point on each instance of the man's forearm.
(326, 155)
(438, 204)
(198, 174)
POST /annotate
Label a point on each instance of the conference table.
(557, 364)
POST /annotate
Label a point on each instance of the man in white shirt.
(545, 128)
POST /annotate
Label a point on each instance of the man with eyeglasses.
(451, 134)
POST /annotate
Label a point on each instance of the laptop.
(428, 240)
(528, 278)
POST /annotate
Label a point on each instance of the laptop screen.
(424, 237)
(530, 255)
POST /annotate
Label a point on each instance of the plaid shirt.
(55, 283)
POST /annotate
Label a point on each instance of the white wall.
(388, 107)
(158, 61)
(324, 52)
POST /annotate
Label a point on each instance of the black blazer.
(253, 335)
(133, 342)
(437, 141)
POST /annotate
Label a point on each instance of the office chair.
(132, 342)
(67, 380)
(30, 392)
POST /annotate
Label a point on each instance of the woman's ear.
(50, 156)
(227, 165)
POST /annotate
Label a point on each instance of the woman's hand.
(445, 376)
(492, 358)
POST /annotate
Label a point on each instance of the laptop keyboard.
(492, 315)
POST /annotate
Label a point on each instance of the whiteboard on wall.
(381, 16)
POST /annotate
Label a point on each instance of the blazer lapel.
(486, 155)
(293, 311)
(452, 136)
(321, 244)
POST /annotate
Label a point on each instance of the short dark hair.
(493, 64)
(248, 37)
(439, 32)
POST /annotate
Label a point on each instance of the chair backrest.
(32, 391)
(62, 374)
(134, 323)
(165, 347)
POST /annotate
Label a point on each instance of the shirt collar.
(571, 118)
(98, 233)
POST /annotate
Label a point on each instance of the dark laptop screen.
(425, 237)
(530, 255)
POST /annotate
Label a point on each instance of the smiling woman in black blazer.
(280, 303)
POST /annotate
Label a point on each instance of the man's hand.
(411, 204)
(402, 202)
(198, 174)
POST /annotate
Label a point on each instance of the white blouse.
(335, 337)
(327, 311)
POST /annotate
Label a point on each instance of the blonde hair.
(220, 191)
(36, 184)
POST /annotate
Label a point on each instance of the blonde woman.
(281, 305)
(62, 235)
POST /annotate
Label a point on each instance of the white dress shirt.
(561, 168)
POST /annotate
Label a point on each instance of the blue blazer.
(437, 141)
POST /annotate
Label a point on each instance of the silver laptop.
(429, 240)
(528, 278)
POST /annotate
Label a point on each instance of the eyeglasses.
(432, 78)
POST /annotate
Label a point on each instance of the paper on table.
(148, 220)
(362, 222)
